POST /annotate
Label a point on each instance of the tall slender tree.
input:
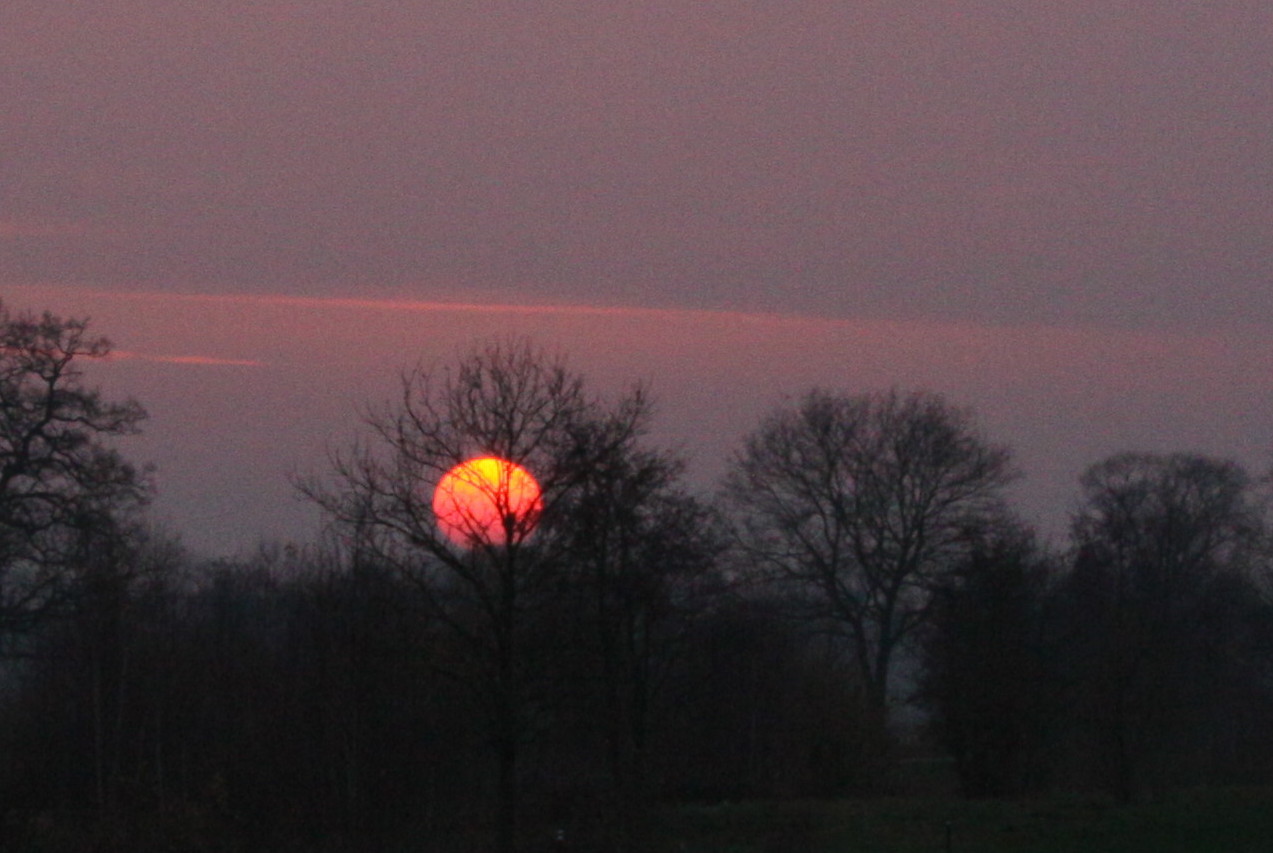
(643, 556)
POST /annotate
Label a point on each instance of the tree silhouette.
(58, 478)
(509, 401)
(987, 679)
(1164, 546)
(858, 504)
(643, 555)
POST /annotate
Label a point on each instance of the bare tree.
(57, 476)
(643, 558)
(1166, 524)
(510, 401)
(857, 504)
(1164, 545)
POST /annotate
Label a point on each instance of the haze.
(1056, 213)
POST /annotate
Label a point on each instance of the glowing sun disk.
(486, 500)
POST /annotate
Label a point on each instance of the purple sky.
(1058, 213)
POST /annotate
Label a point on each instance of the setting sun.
(486, 500)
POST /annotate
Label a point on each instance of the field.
(1201, 821)
(1224, 821)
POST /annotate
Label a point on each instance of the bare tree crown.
(857, 503)
(58, 477)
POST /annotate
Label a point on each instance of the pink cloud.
(1062, 396)
(12, 229)
(128, 355)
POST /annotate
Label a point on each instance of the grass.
(1233, 820)
(1228, 820)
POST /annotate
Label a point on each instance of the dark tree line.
(631, 644)
(1137, 661)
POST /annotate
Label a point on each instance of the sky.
(1057, 213)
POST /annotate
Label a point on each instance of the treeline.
(288, 699)
(856, 603)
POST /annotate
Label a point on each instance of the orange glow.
(486, 500)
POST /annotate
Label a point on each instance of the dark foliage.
(388, 689)
(1161, 602)
(987, 679)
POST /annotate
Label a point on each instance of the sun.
(488, 500)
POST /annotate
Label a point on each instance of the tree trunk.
(506, 805)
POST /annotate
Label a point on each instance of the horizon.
(1061, 399)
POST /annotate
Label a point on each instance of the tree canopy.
(59, 478)
(859, 503)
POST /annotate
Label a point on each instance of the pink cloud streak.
(1063, 396)
(128, 355)
(14, 229)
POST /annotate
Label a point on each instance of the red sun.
(486, 501)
